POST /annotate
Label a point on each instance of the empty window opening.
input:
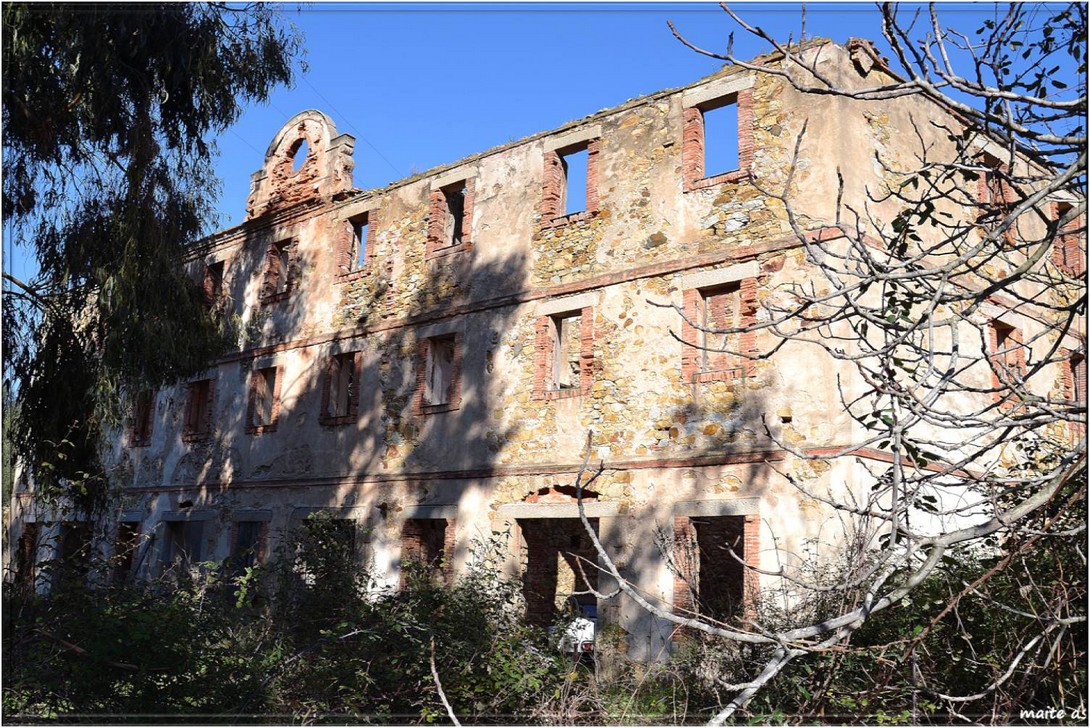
(560, 566)
(1009, 354)
(198, 413)
(1078, 378)
(720, 308)
(567, 349)
(343, 387)
(249, 550)
(182, 545)
(325, 549)
(214, 292)
(26, 557)
(299, 155)
(575, 180)
(264, 397)
(360, 228)
(1067, 253)
(720, 138)
(709, 559)
(455, 197)
(142, 418)
(424, 544)
(125, 546)
(280, 271)
(74, 556)
(439, 376)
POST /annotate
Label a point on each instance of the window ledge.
(722, 375)
(276, 298)
(567, 393)
(446, 250)
(196, 437)
(261, 429)
(352, 275)
(431, 409)
(337, 421)
(581, 216)
(738, 175)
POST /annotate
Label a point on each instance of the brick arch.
(326, 171)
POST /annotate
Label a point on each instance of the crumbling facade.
(430, 362)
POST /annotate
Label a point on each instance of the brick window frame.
(449, 233)
(347, 247)
(143, 419)
(547, 331)
(214, 285)
(248, 554)
(698, 365)
(1067, 254)
(126, 544)
(716, 519)
(736, 90)
(418, 543)
(555, 181)
(199, 408)
(995, 196)
(1006, 356)
(258, 391)
(280, 277)
(426, 350)
(335, 373)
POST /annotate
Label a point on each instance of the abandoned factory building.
(431, 363)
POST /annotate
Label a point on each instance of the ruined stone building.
(424, 361)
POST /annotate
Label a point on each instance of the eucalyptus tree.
(108, 112)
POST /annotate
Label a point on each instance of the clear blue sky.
(425, 84)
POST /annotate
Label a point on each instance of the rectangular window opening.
(721, 138)
(249, 550)
(423, 542)
(214, 292)
(720, 573)
(264, 394)
(342, 385)
(142, 419)
(720, 308)
(439, 375)
(359, 252)
(125, 546)
(567, 350)
(560, 569)
(198, 409)
(182, 547)
(575, 165)
(455, 197)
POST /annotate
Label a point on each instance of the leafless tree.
(959, 317)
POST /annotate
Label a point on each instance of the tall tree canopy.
(108, 111)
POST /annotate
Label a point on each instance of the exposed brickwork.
(555, 181)
(1068, 253)
(699, 366)
(544, 381)
(282, 272)
(199, 409)
(429, 542)
(423, 350)
(707, 579)
(330, 415)
(549, 542)
(440, 240)
(260, 394)
(143, 420)
(693, 142)
(346, 250)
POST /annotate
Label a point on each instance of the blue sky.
(425, 84)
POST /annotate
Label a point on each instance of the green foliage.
(107, 111)
(208, 648)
